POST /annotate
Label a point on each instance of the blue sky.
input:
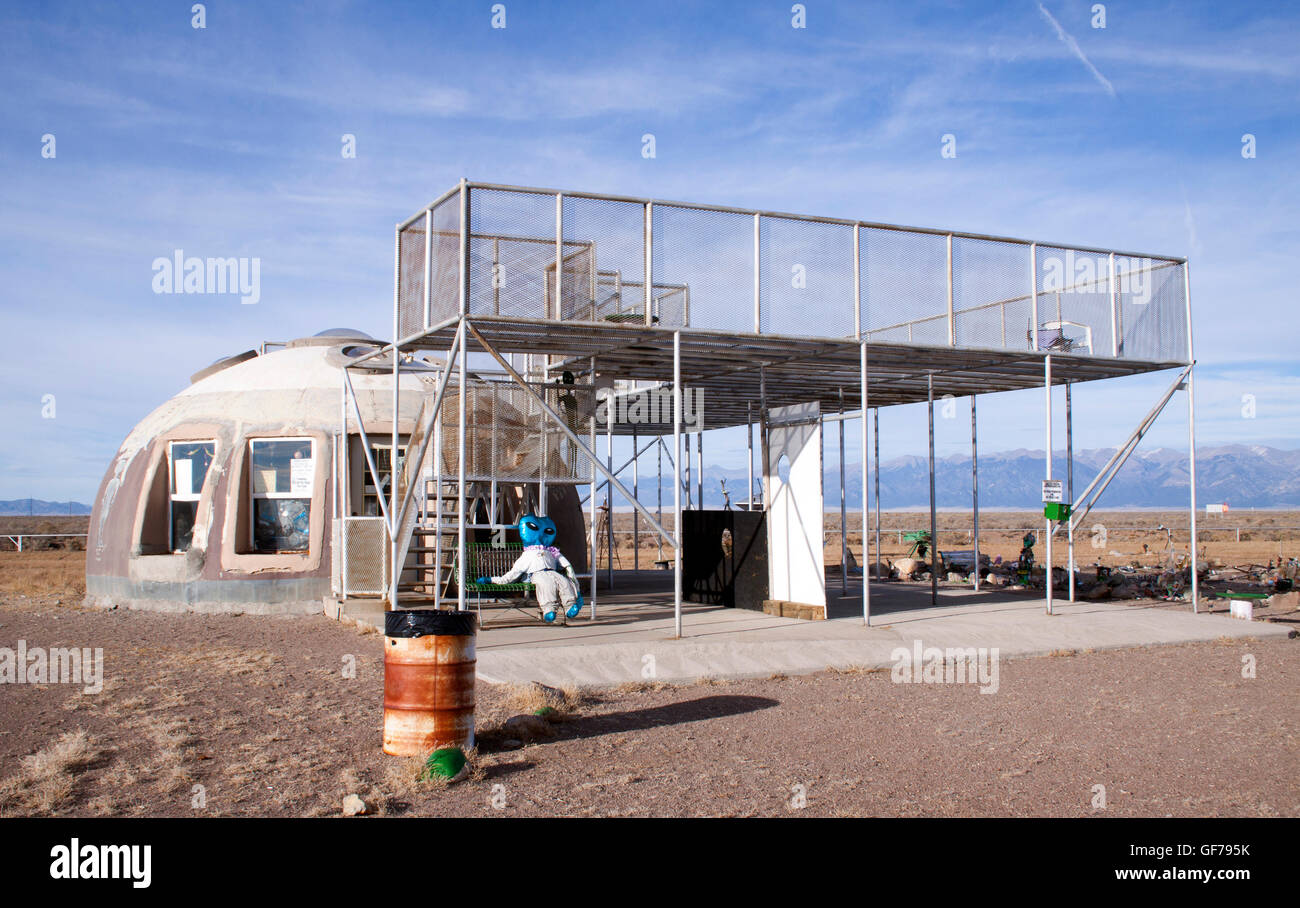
(225, 141)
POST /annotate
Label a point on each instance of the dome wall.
(292, 393)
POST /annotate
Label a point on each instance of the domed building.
(227, 497)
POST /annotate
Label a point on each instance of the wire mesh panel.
(709, 256)
(1153, 313)
(705, 263)
(511, 253)
(444, 270)
(991, 299)
(611, 288)
(806, 277)
(904, 284)
(1074, 301)
(410, 278)
(365, 556)
(510, 437)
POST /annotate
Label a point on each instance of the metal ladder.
(438, 581)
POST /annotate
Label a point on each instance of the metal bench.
(483, 559)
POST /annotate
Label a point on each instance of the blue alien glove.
(486, 580)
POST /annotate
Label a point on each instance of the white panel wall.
(796, 560)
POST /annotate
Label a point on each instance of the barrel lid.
(428, 622)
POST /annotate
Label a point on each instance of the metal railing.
(17, 538)
(553, 255)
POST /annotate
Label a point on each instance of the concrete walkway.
(631, 638)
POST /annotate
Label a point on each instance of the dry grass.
(856, 669)
(46, 778)
(50, 573)
(528, 698)
(174, 743)
(237, 662)
(640, 687)
(402, 782)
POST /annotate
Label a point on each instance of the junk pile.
(1164, 574)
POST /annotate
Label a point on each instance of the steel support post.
(699, 476)
(934, 525)
(844, 524)
(677, 482)
(1191, 441)
(609, 499)
(395, 570)
(749, 435)
(636, 493)
(866, 503)
(591, 505)
(1047, 387)
(975, 489)
(875, 460)
(1069, 484)
(461, 421)
(659, 491)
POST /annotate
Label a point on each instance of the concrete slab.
(631, 639)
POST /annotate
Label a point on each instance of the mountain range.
(1243, 476)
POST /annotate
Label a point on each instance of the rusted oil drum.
(428, 681)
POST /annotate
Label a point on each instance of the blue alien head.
(534, 530)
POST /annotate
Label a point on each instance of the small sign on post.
(1053, 491)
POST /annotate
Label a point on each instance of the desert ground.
(244, 715)
(1111, 538)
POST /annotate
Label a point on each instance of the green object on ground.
(1229, 594)
(544, 711)
(920, 540)
(447, 762)
(1056, 510)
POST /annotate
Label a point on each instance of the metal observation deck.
(583, 299)
(575, 275)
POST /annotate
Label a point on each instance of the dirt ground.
(258, 716)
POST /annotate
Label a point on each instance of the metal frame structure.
(452, 296)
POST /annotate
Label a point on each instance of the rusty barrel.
(429, 666)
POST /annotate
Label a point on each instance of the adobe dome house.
(227, 498)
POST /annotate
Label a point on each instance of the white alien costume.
(542, 563)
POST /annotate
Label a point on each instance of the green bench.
(483, 559)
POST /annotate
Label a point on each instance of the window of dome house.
(188, 463)
(283, 475)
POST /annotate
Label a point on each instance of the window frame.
(254, 496)
(195, 497)
(368, 490)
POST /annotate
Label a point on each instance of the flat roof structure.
(794, 368)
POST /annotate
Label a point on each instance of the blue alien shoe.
(574, 609)
(549, 617)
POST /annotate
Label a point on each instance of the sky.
(227, 141)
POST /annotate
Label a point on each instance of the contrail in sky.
(1068, 40)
